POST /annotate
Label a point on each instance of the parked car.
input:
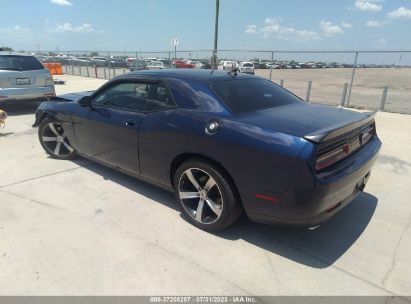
(264, 65)
(228, 65)
(138, 65)
(205, 64)
(24, 78)
(247, 67)
(80, 61)
(98, 62)
(181, 64)
(155, 65)
(116, 63)
(63, 60)
(223, 142)
(166, 62)
(197, 64)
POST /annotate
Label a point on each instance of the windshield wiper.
(11, 69)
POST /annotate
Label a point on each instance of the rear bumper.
(314, 200)
(315, 220)
(27, 93)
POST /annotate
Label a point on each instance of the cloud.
(19, 36)
(400, 12)
(381, 43)
(273, 28)
(372, 23)
(370, 5)
(62, 2)
(251, 28)
(346, 25)
(16, 31)
(330, 29)
(68, 28)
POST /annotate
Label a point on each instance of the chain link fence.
(377, 80)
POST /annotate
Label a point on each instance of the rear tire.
(206, 195)
(54, 141)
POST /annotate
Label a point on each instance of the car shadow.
(146, 189)
(6, 134)
(21, 108)
(317, 248)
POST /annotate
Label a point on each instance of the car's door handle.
(130, 123)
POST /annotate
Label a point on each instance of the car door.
(157, 142)
(108, 130)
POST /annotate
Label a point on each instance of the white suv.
(23, 77)
(228, 65)
(247, 67)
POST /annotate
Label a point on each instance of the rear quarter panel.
(254, 157)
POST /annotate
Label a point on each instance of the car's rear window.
(21, 63)
(248, 95)
(248, 65)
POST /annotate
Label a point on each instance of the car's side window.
(128, 96)
(159, 98)
(142, 97)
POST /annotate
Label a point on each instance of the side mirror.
(85, 101)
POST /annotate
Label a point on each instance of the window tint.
(248, 95)
(141, 97)
(125, 96)
(248, 65)
(160, 98)
(22, 63)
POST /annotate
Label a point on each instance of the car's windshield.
(248, 65)
(20, 63)
(249, 95)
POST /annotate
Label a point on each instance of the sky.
(149, 25)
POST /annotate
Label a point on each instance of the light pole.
(217, 10)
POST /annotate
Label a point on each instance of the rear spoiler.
(336, 130)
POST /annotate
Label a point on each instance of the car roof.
(198, 74)
(15, 54)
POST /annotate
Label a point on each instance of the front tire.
(206, 195)
(54, 140)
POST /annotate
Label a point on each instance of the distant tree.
(6, 48)
(52, 54)
(93, 54)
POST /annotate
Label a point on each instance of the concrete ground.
(77, 228)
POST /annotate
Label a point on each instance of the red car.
(179, 64)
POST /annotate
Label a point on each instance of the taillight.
(332, 157)
(328, 158)
(367, 135)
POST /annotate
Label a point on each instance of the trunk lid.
(316, 123)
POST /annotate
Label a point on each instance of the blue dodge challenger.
(222, 142)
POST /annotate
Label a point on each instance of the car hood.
(71, 96)
(300, 119)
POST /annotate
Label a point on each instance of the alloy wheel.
(200, 195)
(55, 140)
